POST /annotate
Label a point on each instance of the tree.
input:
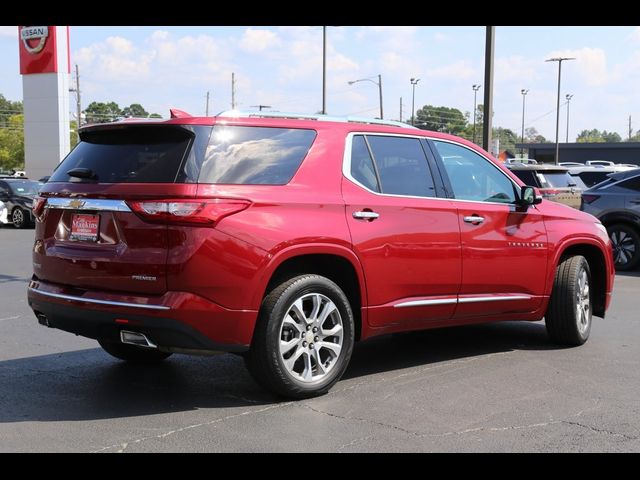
(441, 119)
(531, 135)
(596, 136)
(155, 115)
(135, 110)
(8, 109)
(100, 112)
(12, 144)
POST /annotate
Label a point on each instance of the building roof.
(581, 146)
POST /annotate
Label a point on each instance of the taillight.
(38, 207)
(203, 213)
(589, 198)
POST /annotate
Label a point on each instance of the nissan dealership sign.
(34, 38)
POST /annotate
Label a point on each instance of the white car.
(3, 213)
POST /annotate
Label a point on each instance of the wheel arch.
(595, 257)
(336, 263)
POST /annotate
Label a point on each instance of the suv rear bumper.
(175, 320)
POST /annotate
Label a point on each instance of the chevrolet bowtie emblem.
(76, 203)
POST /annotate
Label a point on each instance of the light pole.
(568, 97)
(414, 82)
(559, 60)
(524, 95)
(324, 70)
(475, 94)
(379, 83)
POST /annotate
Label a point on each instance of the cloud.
(257, 40)
(590, 62)
(516, 67)
(10, 31)
(440, 37)
(461, 69)
(634, 36)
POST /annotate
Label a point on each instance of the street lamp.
(324, 70)
(379, 83)
(414, 82)
(475, 93)
(559, 60)
(568, 97)
(524, 95)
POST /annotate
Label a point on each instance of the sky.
(166, 66)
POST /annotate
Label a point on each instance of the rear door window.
(129, 154)
(631, 184)
(402, 166)
(254, 155)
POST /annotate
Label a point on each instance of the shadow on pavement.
(90, 385)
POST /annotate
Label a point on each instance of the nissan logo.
(29, 35)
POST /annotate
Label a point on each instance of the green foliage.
(155, 115)
(100, 112)
(531, 135)
(135, 110)
(8, 109)
(441, 119)
(596, 136)
(12, 143)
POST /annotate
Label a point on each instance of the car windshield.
(25, 187)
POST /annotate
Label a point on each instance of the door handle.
(475, 219)
(366, 215)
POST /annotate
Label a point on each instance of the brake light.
(589, 198)
(38, 207)
(203, 213)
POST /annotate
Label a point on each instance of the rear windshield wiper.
(82, 173)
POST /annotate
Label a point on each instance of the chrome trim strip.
(422, 303)
(494, 298)
(99, 302)
(97, 204)
(449, 301)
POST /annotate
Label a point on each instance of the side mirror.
(529, 196)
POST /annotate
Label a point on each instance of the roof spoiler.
(175, 113)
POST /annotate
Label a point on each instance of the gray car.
(616, 203)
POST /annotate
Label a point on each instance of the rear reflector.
(203, 213)
(38, 207)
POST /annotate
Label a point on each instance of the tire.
(131, 353)
(20, 218)
(303, 369)
(625, 241)
(569, 314)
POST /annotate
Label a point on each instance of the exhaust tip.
(42, 319)
(136, 338)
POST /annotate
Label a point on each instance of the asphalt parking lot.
(495, 388)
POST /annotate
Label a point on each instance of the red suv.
(286, 238)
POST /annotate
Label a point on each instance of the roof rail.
(317, 117)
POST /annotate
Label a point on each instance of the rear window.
(254, 155)
(131, 154)
(551, 179)
(527, 176)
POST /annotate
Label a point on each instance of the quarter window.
(402, 166)
(473, 177)
(362, 168)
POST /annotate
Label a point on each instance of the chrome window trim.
(99, 302)
(346, 169)
(456, 300)
(96, 204)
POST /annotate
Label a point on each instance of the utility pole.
(400, 108)
(380, 90)
(523, 92)
(206, 114)
(414, 82)
(630, 131)
(475, 94)
(233, 91)
(260, 107)
(78, 104)
(488, 88)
